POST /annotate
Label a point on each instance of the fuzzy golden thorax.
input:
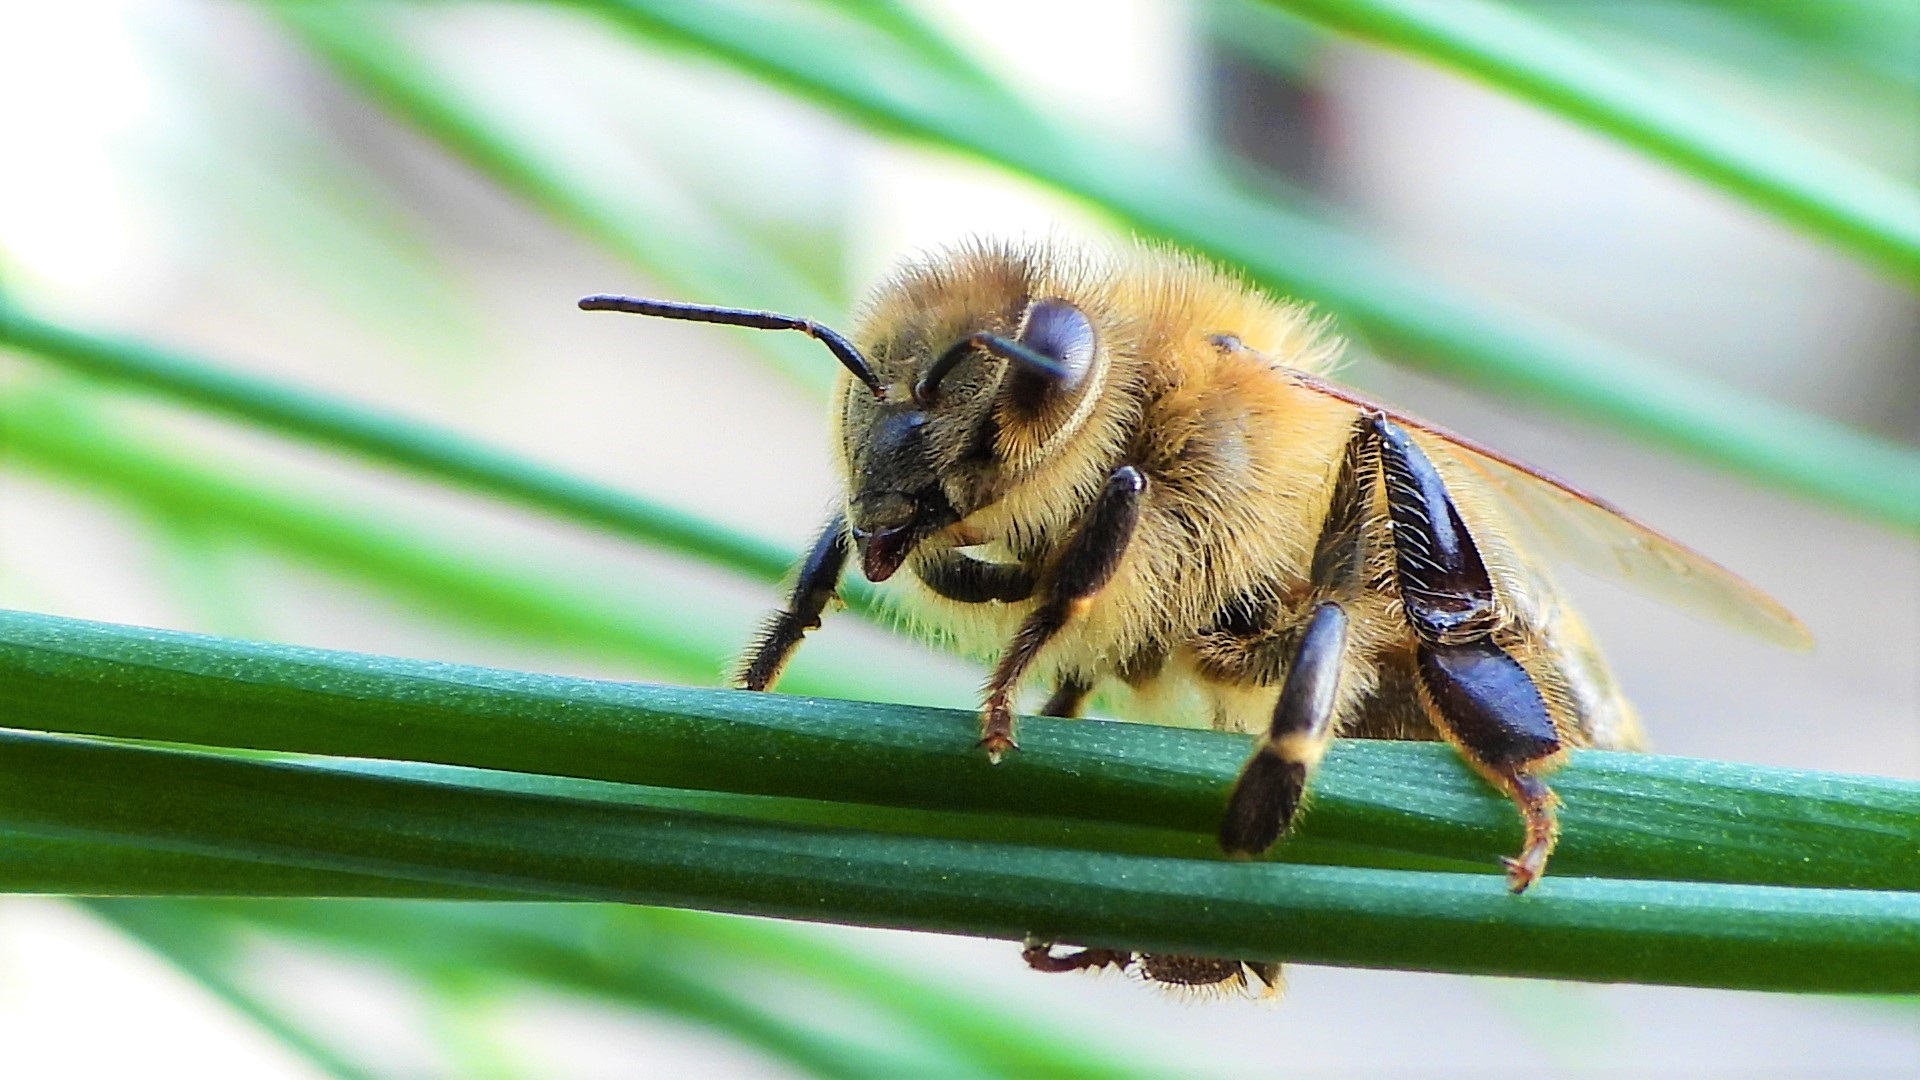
(994, 455)
(990, 463)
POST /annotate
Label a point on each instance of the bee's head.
(968, 380)
(973, 397)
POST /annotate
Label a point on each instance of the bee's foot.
(996, 732)
(996, 744)
(1536, 806)
(1526, 869)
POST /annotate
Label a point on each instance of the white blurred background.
(178, 171)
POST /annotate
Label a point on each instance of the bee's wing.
(1601, 538)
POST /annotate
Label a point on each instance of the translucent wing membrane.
(1600, 538)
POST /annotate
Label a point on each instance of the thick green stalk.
(68, 866)
(1624, 815)
(1575, 928)
(89, 867)
(1779, 173)
(866, 79)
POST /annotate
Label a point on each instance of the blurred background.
(398, 205)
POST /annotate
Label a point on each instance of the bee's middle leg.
(1092, 554)
(1310, 659)
(1274, 780)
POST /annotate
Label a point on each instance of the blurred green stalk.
(400, 442)
(57, 433)
(1790, 178)
(439, 954)
(681, 245)
(615, 953)
(212, 963)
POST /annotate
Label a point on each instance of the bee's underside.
(1393, 619)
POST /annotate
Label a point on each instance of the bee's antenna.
(1040, 364)
(1056, 347)
(841, 348)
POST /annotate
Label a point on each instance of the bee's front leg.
(967, 580)
(1478, 694)
(780, 635)
(1076, 577)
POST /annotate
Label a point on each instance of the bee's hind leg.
(1196, 974)
(1040, 956)
(1479, 696)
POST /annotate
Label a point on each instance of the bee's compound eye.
(1060, 331)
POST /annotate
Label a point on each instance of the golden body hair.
(1239, 460)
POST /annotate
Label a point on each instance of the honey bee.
(1131, 468)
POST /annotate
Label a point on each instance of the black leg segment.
(1040, 956)
(968, 580)
(1093, 554)
(1443, 581)
(1340, 555)
(780, 635)
(1480, 695)
(1274, 780)
(1490, 703)
(1308, 658)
